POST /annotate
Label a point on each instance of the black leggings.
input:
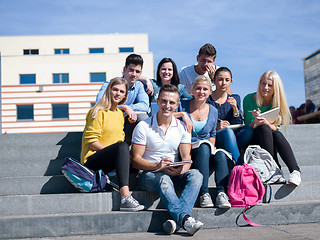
(273, 142)
(114, 157)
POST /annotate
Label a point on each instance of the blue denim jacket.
(137, 98)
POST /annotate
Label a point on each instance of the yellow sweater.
(106, 127)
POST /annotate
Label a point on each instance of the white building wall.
(79, 93)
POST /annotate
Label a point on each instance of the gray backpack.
(263, 162)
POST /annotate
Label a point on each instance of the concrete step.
(43, 185)
(43, 154)
(59, 184)
(109, 201)
(55, 225)
(289, 193)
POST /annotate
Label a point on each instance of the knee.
(219, 157)
(204, 149)
(247, 130)
(263, 130)
(195, 175)
(165, 182)
(142, 116)
(123, 148)
(226, 133)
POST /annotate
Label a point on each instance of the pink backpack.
(245, 189)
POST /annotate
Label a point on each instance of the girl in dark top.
(228, 107)
(167, 74)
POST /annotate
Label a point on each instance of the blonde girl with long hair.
(103, 145)
(270, 94)
(204, 118)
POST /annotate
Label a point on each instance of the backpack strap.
(249, 221)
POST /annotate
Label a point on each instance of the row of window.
(59, 111)
(67, 50)
(61, 78)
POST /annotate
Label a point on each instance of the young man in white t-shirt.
(205, 66)
(158, 141)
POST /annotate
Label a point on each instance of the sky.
(251, 36)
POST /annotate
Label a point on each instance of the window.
(98, 77)
(60, 78)
(24, 112)
(61, 51)
(27, 78)
(30, 51)
(96, 50)
(60, 111)
(126, 49)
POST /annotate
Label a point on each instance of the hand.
(149, 89)
(261, 121)
(222, 124)
(211, 69)
(256, 113)
(132, 116)
(233, 103)
(188, 122)
(173, 171)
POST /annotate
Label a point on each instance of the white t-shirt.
(187, 76)
(158, 144)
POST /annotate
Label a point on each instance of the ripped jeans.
(160, 182)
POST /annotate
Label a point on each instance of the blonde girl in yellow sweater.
(103, 145)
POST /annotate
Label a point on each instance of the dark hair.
(175, 77)
(134, 59)
(221, 69)
(208, 50)
(169, 88)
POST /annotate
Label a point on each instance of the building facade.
(48, 83)
(312, 77)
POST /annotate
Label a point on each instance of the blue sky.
(251, 36)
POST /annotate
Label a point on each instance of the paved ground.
(283, 232)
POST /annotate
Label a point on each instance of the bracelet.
(236, 114)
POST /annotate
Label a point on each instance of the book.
(235, 126)
(174, 164)
(213, 150)
(270, 115)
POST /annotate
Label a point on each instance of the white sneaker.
(222, 201)
(295, 178)
(206, 201)
(170, 227)
(131, 205)
(281, 180)
(192, 226)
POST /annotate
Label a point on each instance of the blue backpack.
(84, 179)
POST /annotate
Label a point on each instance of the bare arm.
(213, 141)
(149, 89)
(140, 163)
(186, 119)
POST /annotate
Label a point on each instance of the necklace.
(199, 115)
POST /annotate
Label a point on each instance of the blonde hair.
(278, 98)
(202, 78)
(105, 102)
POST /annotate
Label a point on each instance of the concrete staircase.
(37, 201)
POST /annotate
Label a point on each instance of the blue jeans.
(232, 141)
(162, 183)
(203, 161)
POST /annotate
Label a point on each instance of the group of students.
(195, 106)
